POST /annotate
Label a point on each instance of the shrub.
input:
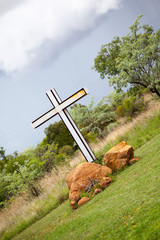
(59, 134)
(59, 158)
(66, 150)
(91, 137)
(111, 126)
(130, 107)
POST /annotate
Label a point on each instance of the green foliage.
(2, 154)
(99, 157)
(84, 194)
(2, 158)
(49, 156)
(143, 133)
(59, 134)
(62, 197)
(105, 62)
(40, 150)
(10, 167)
(136, 137)
(20, 179)
(11, 183)
(28, 151)
(130, 106)
(92, 120)
(91, 137)
(34, 168)
(129, 207)
(20, 172)
(127, 104)
(3, 190)
(111, 126)
(42, 207)
(60, 158)
(114, 99)
(66, 150)
(132, 60)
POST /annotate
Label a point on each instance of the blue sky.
(52, 44)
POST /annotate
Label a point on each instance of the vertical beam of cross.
(60, 108)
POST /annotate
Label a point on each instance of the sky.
(48, 44)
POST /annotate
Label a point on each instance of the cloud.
(6, 5)
(28, 27)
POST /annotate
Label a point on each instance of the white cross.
(59, 107)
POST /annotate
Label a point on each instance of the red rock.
(118, 156)
(96, 191)
(80, 177)
(73, 205)
(105, 182)
(133, 160)
(83, 201)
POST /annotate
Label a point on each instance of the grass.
(136, 136)
(23, 215)
(143, 132)
(128, 209)
(137, 133)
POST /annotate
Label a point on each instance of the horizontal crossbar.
(58, 107)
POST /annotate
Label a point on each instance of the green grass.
(138, 136)
(40, 208)
(128, 209)
(141, 133)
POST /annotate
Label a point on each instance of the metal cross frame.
(59, 107)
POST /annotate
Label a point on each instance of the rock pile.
(92, 178)
(84, 177)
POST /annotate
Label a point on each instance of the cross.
(60, 107)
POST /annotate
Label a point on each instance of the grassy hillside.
(24, 211)
(128, 209)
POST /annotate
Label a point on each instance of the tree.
(10, 166)
(2, 153)
(2, 158)
(133, 60)
(92, 119)
(59, 134)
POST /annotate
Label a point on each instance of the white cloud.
(26, 27)
(6, 5)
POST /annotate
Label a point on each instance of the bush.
(91, 137)
(66, 150)
(111, 126)
(59, 158)
(58, 133)
(92, 120)
(130, 107)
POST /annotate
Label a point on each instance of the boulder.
(119, 156)
(81, 177)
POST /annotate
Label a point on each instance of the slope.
(128, 209)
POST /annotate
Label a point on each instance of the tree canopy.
(59, 134)
(132, 60)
